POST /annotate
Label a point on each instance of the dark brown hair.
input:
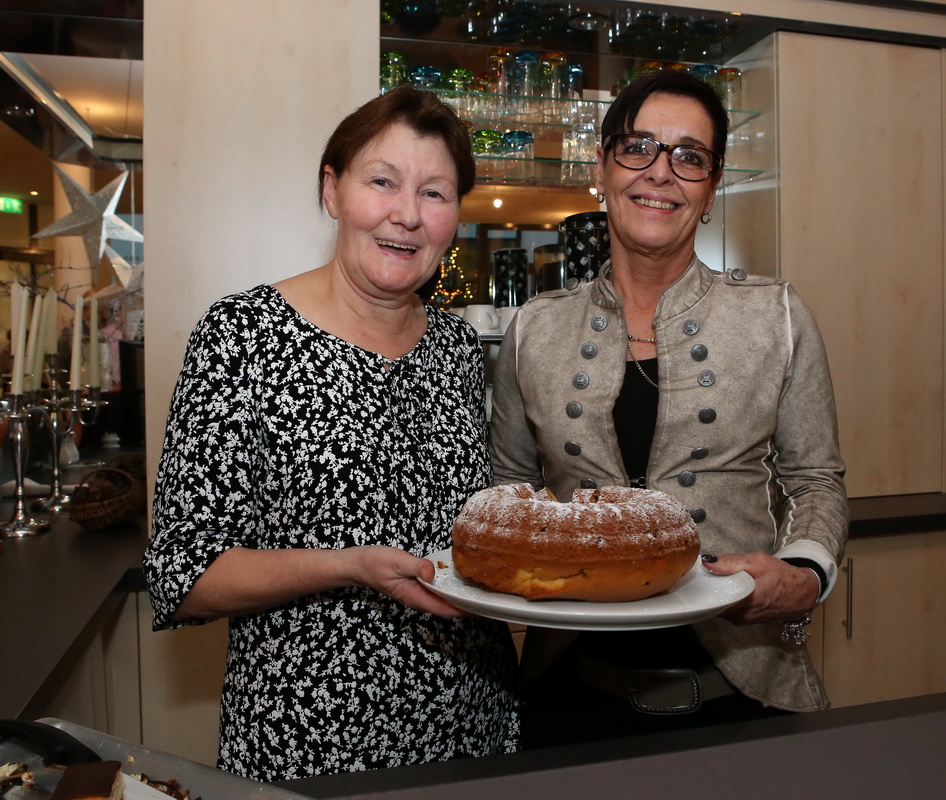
(422, 111)
(623, 111)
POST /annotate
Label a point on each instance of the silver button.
(573, 448)
(581, 380)
(739, 274)
(698, 515)
(706, 377)
(589, 350)
(699, 352)
(686, 478)
(691, 327)
(588, 483)
(571, 283)
(573, 409)
(707, 415)
(599, 323)
(699, 452)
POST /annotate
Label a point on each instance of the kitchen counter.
(57, 590)
(881, 750)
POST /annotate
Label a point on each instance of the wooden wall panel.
(861, 226)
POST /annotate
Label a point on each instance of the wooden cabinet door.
(861, 236)
(885, 621)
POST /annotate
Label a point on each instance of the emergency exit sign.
(10, 205)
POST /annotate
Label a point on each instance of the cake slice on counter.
(99, 780)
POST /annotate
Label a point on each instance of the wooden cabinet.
(884, 624)
(860, 227)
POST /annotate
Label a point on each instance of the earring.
(600, 197)
(705, 219)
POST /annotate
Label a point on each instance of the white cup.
(506, 313)
(482, 317)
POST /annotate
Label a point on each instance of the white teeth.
(395, 245)
(641, 201)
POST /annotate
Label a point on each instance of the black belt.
(653, 691)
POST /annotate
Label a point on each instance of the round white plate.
(699, 595)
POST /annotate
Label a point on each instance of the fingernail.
(709, 558)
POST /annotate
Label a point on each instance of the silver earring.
(705, 219)
(600, 197)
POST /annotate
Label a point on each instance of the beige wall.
(240, 96)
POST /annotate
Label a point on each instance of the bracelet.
(795, 631)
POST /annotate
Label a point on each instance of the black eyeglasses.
(689, 162)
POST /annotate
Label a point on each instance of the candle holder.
(62, 412)
(20, 523)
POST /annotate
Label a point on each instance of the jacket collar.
(678, 298)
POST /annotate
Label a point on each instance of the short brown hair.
(422, 111)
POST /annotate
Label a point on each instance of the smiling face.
(397, 211)
(651, 211)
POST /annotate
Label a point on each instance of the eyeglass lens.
(686, 162)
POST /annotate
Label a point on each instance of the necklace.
(630, 352)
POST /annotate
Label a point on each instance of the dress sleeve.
(808, 460)
(205, 500)
(512, 445)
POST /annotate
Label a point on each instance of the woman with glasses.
(712, 387)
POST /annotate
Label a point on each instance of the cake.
(97, 780)
(607, 545)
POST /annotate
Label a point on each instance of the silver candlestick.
(20, 523)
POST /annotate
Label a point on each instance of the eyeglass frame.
(661, 148)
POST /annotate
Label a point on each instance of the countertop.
(57, 590)
(881, 750)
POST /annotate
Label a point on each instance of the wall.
(239, 99)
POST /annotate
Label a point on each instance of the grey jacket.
(746, 433)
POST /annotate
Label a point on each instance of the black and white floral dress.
(283, 436)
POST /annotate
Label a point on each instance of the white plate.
(699, 595)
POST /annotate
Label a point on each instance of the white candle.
(75, 367)
(18, 342)
(32, 342)
(94, 378)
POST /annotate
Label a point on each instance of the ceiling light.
(497, 203)
(20, 112)
(34, 193)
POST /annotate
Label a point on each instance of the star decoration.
(131, 278)
(92, 217)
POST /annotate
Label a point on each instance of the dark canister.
(587, 244)
(548, 268)
(510, 277)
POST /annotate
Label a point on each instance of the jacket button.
(571, 283)
(707, 415)
(699, 452)
(581, 380)
(686, 478)
(573, 409)
(573, 448)
(699, 352)
(706, 377)
(698, 515)
(589, 350)
(691, 327)
(599, 323)
(739, 274)
(588, 483)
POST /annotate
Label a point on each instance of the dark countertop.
(57, 590)
(881, 750)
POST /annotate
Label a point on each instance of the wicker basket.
(134, 464)
(105, 497)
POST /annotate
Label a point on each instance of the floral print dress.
(281, 435)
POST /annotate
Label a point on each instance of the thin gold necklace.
(630, 352)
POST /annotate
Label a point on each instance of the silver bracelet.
(795, 631)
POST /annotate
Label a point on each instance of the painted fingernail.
(709, 558)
